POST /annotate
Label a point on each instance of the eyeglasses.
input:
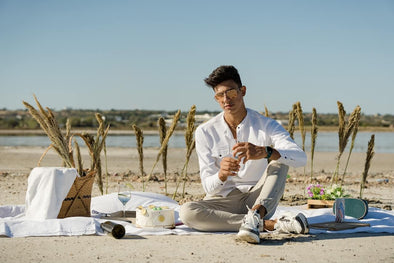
(230, 93)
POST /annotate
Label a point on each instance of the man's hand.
(248, 151)
(228, 167)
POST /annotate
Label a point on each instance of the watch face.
(269, 152)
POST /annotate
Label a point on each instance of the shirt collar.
(225, 127)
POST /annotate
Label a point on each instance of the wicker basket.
(77, 201)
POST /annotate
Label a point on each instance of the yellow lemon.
(143, 211)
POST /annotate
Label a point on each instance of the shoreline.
(12, 132)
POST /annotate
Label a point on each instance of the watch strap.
(269, 151)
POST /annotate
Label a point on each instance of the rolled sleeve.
(293, 158)
(290, 153)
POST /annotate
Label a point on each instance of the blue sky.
(155, 54)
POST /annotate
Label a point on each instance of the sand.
(16, 163)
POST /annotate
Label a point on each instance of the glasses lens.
(231, 94)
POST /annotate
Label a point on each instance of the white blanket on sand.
(15, 223)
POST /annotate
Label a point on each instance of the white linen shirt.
(214, 141)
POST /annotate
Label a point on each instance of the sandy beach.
(17, 162)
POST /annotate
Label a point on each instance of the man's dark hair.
(221, 74)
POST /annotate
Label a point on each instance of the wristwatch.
(269, 151)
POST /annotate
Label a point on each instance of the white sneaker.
(292, 224)
(249, 230)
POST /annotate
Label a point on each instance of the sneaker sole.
(248, 237)
(303, 222)
(354, 207)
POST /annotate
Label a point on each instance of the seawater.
(325, 142)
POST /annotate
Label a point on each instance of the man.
(243, 158)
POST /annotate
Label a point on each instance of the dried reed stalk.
(356, 116)
(188, 154)
(161, 123)
(98, 146)
(79, 157)
(341, 132)
(190, 145)
(292, 118)
(43, 155)
(100, 132)
(68, 130)
(314, 131)
(139, 136)
(63, 144)
(344, 132)
(48, 123)
(68, 133)
(95, 146)
(266, 111)
(163, 145)
(370, 154)
(301, 125)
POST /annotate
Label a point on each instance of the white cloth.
(381, 221)
(13, 223)
(214, 141)
(46, 189)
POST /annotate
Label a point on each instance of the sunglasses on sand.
(230, 93)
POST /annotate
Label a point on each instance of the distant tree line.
(147, 119)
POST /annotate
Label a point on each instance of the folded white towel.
(46, 189)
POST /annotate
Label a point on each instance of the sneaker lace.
(252, 219)
(287, 224)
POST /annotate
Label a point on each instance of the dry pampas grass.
(139, 136)
(355, 117)
(79, 157)
(314, 131)
(344, 132)
(161, 123)
(95, 146)
(292, 119)
(266, 114)
(190, 145)
(301, 125)
(100, 132)
(48, 123)
(62, 144)
(370, 154)
(163, 146)
(341, 133)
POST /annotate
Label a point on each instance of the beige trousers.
(226, 213)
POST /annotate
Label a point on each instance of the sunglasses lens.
(231, 94)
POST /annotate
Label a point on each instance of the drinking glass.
(124, 196)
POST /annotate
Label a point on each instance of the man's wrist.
(222, 177)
